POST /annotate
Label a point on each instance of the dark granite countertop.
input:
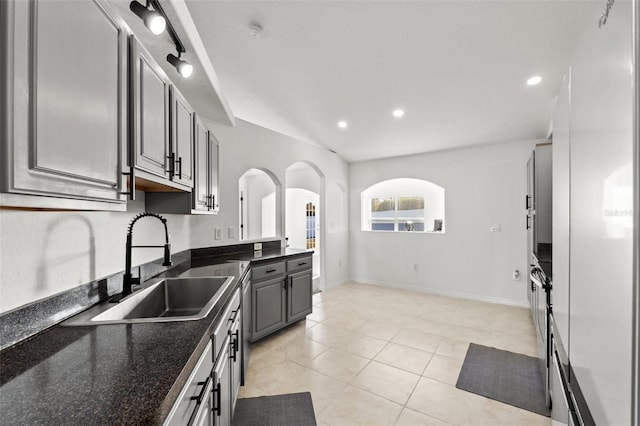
(116, 373)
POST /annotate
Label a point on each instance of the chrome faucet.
(128, 280)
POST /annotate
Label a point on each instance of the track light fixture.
(156, 20)
(184, 68)
(153, 20)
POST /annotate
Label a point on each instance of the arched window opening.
(403, 205)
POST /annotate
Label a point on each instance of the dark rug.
(295, 409)
(514, 379)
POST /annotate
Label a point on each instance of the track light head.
(154, 21)
(184, 68)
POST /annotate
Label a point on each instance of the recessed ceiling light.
(534, 80)
(398, 113)
(342, 124)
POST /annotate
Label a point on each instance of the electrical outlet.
(516, 275)
(231, 232)
(218, 233)
(496, 227)
(257, 246)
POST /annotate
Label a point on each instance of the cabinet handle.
(302, 263)
(234, 346)
(132, 183)
(271, 270)
(202, 392)
(217, 407)
(526, 202)
(179, 163)
(172, 161)
(213, 202)
(290, 282)
(528, 222)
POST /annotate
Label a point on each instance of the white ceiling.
(458, 69)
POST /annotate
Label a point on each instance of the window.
(403, 205)
(397, 214)
(311, 225)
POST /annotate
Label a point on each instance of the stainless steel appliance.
(539, 238)
(569, 406)
(541, 302)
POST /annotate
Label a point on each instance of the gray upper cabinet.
(150, 118)
(203, 199)
(205, 191)
(182, 138)
(63, 84)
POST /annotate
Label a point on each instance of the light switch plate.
(218, 233)
(257, 246)
(231, 232)
(496, 227)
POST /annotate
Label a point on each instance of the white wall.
(44, 253)
(248, 146)
(483, 186)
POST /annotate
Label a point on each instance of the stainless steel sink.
(170, 299)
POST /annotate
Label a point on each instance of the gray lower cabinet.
(278, 298)
(222, 387)
(300, 292)
(63, 110)
(195, 401)
(268, 307)
(235, 359)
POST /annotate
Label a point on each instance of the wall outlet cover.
(218, 232)
(231, 232)
(257, 246)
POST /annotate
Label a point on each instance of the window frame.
(396, 219)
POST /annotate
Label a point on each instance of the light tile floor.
(372, 355)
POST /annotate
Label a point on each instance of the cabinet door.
(299, 295)
(222, 388)
(269, 313)
(182, 138)
(236, 361)
(64, 100)
(204, 415)
(150, 89)
(213, 172)
(200, 185)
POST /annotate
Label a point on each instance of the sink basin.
(170, 299)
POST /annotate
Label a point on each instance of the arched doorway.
(303, 214)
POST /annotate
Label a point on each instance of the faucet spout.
(128, 279)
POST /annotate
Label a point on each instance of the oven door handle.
(539, 279)
(535, 278)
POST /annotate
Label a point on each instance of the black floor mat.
(295, 409)
(514, 379)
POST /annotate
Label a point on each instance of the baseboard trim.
(460, 295)
(336, 284)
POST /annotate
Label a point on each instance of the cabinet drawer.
(225, 323)
(198, 384)
(299, 264)
(267, 271)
